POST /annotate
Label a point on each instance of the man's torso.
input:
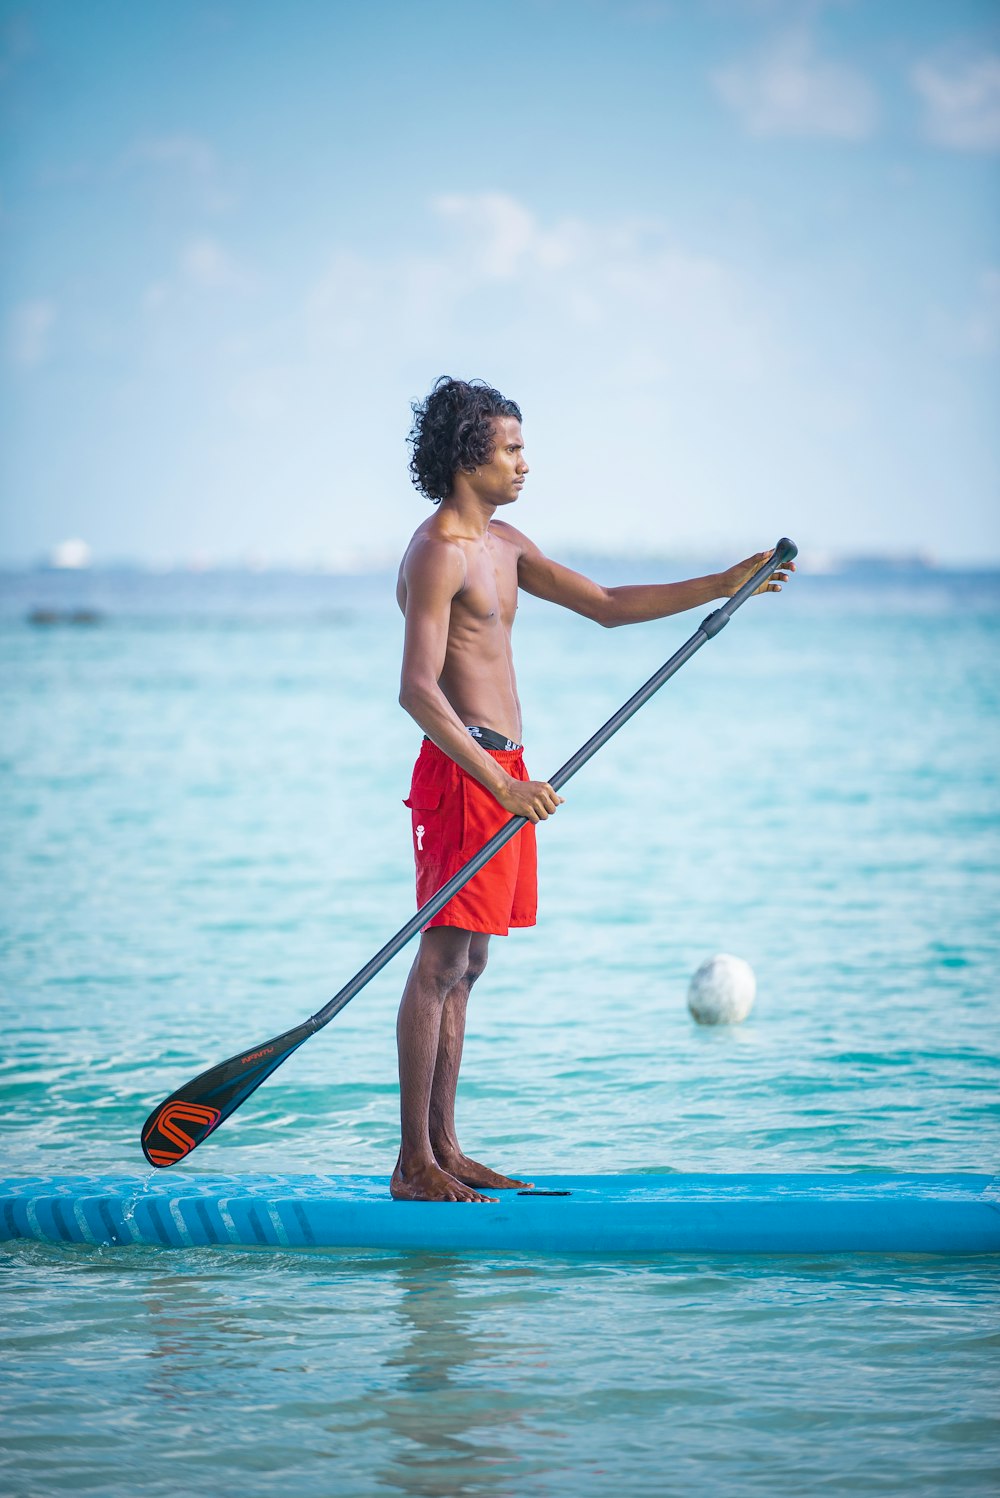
(478, 676)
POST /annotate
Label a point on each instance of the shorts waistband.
(491, 740)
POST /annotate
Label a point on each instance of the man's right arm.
(434, 573)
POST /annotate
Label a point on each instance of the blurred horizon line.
(75, 558)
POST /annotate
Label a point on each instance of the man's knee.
(444, 958)
(479, 951)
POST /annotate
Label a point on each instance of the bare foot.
(474, 1174)
(429, 1183)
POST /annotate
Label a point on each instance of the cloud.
(28, 337)
(504, 237)
(975, 331)
(203, 265)
(787, 90)
(191, 159)
(961, 102)
(207, 264)
(502, 275)
(496, 287)
(626, 274)
(187, 151)
(984, 324)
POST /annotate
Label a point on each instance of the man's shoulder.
(504, 531)
(433, 555)
(429, 538)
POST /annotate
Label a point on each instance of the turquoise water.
(202, 838)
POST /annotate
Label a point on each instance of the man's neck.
(464, 514)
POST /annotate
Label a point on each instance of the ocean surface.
(202, 838)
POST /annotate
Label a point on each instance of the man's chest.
(490, 592)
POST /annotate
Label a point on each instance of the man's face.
(499, 481)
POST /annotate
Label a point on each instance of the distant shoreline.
(816, 565)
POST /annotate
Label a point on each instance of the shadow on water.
(402, 1375)
(455, 1423)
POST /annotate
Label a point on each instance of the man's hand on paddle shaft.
(735, 577)
(534, 799)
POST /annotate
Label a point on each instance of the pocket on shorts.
(435, 803)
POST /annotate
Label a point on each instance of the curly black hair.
(452, 429)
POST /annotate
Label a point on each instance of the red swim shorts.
(453, 816)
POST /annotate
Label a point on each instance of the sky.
(736, 260)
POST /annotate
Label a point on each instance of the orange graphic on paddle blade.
(169, 1124)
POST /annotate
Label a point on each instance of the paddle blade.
(190, 1114)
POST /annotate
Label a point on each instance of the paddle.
(189, 1115)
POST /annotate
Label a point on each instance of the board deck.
(867, 1212)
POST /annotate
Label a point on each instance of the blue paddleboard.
(869, 1212)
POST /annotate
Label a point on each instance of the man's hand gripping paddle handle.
(189, 1115)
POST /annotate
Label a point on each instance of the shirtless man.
(457, 588)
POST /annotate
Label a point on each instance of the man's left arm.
(632, 603)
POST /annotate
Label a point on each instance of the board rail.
(759, 1213)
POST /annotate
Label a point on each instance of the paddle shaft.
(783, 553)
(178, 1125)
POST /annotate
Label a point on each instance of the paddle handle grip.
(785, 551)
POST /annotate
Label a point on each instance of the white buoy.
(722, 991)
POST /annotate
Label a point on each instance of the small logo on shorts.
(420, 838)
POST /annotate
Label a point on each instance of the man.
(457, 588)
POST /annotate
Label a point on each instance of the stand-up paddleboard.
(595, 1215)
